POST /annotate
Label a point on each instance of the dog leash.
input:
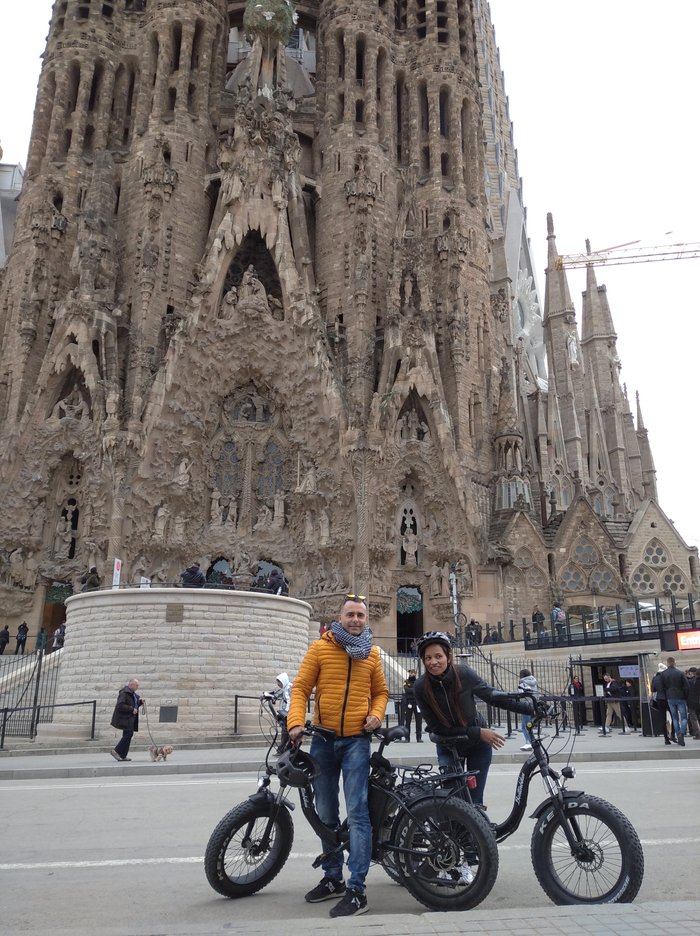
(148, 726)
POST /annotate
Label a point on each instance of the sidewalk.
(21, 762)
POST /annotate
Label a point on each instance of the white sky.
(603, 96)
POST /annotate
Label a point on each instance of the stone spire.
(648, 469)
(565, 362)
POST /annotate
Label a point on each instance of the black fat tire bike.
(429, 840)
(584, 850)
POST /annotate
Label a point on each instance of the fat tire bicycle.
(434, 843)
(583, 849)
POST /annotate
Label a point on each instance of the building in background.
(271, 302)
(11, 175)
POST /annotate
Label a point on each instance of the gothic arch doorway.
(409, 616)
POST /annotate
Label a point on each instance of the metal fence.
(28, 684)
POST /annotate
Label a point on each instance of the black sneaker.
(353, 904)
(328, 889)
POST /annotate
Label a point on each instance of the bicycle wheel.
(449, 857)
(610, 865)
(237, 862)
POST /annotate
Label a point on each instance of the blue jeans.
(679, 715)
(349, 756)
(478, 758)
(524, 719)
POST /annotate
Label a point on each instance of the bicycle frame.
(537, 762)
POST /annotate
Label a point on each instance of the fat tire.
(613, 876)
(450, 831)
(244, 873)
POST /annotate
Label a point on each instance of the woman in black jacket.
(445, 694)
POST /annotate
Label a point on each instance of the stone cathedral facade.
(271, 300)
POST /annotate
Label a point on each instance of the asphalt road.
(123, 855)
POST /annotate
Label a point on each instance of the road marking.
(198, 859)
(119, 862)
(93, 784)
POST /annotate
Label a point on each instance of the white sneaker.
(526, 747)
(464, 873)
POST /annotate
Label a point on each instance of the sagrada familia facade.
(271, 302)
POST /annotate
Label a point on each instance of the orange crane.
(623, 254)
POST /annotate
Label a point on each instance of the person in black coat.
(21, 638)
(677, 690)
(4, 637)
(445, 694)
(409, 708)
(193, 577)
(659, 703)
(126, 718)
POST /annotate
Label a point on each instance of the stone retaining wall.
(193, 649)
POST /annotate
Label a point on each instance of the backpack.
(561, 616)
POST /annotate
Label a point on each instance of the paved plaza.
(140, 828)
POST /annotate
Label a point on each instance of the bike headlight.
(569, 772)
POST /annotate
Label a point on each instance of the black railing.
(657, 619)
(33, 715)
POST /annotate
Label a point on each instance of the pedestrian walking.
(41, 638)
(576, 691)
(59, 636)
(677, 691)
(658, 701)
(629, 709)
(4, 638)
(126, 718)
(21, 638)
(612, 693)
(409, 707)
(693, 702)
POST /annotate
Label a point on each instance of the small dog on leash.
(160, 751)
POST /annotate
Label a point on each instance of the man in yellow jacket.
(351, 697)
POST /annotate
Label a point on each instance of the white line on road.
(129, 862)
(219, 779)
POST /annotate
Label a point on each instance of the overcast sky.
(603, 96)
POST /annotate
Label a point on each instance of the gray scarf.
(356, 646)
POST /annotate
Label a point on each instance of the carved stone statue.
(17, 568)
(182, 475)
(410, 548)
(435, 580)
(464, 577)
(278, 520)
(38, 520)
(264, 521)
(251, 288)
(31, 566)
(308, 483)
(215, 511)
(308, 527)
(160, 522)
(62, 538)
(232, 518)
(72, 407)
(324, 528)
(228, 303)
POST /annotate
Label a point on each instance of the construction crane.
(623, 254)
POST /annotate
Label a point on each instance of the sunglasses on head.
(362, 598)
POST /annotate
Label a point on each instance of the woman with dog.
(126, 718)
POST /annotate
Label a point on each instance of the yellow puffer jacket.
(347, 690)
